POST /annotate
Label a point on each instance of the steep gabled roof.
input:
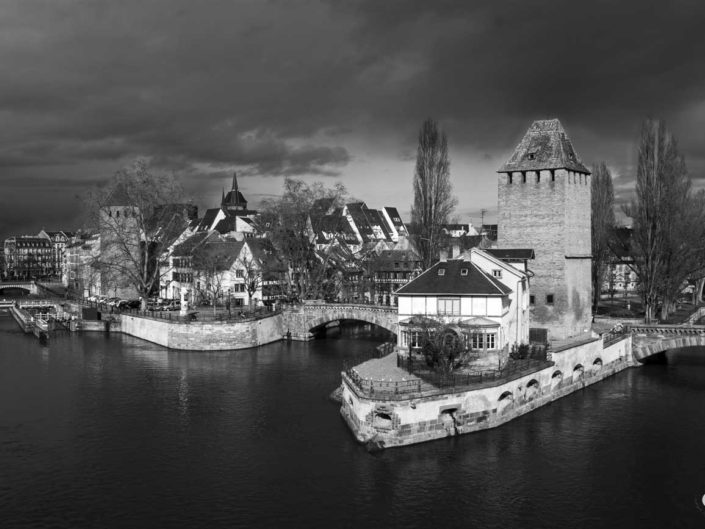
(220, 253)
(357, 213)
(208, 219)
(459, 277)
(226, 225)
(544, 146)
(187, 247)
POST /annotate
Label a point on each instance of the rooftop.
(454, 277)
(544, 146)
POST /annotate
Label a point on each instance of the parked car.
(93, 298)
(113, 302)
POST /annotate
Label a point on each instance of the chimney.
(455, 250)
(443, 256)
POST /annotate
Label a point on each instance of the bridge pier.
(301, 336)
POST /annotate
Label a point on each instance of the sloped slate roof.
(453, 282)
(208, 219)
(226, 225)
(189, 245)
(356, 210)
(235, 198)
(544, 146)
(222, 253)
(511, 253)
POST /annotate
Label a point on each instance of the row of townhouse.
(210, 268)
(223, 254)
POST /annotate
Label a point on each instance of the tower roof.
(234, 198)
(544, 146)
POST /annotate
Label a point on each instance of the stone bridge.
(302, 321)
(648, 340)
(30, 287)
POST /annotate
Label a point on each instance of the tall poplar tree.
(668, 221)
(602, 226)
(433, 199)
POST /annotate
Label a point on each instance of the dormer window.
(463, 271)
(441, 271)
(497, 273)
(532, 156)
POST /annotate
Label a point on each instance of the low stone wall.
(415, 420)
(202, 336)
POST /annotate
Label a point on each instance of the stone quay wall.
(194, 336)
(202, 336)
(419, 418)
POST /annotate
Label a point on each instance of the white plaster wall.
(418, 305)
(404, 305)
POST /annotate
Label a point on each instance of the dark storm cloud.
(488, 66)
(285, 88)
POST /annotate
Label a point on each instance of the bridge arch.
(8, 290)
(311, 317)
(318, 323)
(642, 351)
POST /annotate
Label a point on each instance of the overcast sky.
(332, 91)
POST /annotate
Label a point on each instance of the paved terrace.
(382, 379)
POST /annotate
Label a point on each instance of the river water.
(110, 431)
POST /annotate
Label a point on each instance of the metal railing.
(665, 329)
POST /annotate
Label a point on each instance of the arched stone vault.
(308, 317)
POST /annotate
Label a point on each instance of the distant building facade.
(82, 275)
(28, 258)
(59, 240)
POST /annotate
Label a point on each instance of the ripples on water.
(114, 432)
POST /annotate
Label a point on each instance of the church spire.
(235, 181)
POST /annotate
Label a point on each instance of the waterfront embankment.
(402, 413)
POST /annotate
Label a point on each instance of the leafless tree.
(602, 226)
(292, 222)
(433, 199)
(139, 214)
(668, 227)
(210, 264)
(252, 276)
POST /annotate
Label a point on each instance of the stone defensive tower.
(544, 204)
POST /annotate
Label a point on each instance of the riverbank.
(178, 334)
(408, 411)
